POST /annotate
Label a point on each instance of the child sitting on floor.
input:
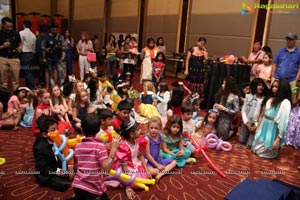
(48, 167)
(156, 164)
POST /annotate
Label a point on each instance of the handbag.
(91, 57)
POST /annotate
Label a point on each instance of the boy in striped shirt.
(92, 161)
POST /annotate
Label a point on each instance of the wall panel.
(221, 22)
(283, 23)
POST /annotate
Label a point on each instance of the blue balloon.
(58, 150)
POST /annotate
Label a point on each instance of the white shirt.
(28, 40)
(188, 126)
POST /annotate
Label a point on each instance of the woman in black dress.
(194, 70)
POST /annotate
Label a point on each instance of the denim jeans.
(55, 62)
(246, 137)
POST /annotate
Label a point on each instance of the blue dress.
(172, 144)
(155, 152)
(273, 125)
(27, 119)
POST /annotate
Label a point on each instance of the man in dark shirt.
(40, 55)
(10, 47)
(54, 46)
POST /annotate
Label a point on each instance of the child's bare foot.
(157, 179)
(130, 193)
(15, 128)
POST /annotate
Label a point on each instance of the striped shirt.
(90, 155)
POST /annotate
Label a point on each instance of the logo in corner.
(246, 9)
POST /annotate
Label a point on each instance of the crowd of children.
(96, 106)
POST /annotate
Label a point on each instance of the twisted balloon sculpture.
(212, 141)
(127, 180)
(200, 149)
(61, 149)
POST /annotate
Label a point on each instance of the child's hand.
(115, 143)
(180, 153)
(148, 173)
(219, 106)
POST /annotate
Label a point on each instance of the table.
(174, 64)
(216, 74)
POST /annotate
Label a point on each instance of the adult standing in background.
(194, 67)
(83, 46)
(69, 42)
(28, 50)
(111, 49)
(287, 63)
(255, 58)
(129, 62)
(53, 47)
(40, 56)
(161, 45)
(10, 47)
(147, 56)
(96, 45)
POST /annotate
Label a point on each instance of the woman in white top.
(84, 46)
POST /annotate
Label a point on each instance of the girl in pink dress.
(129, 154)
(14, 108)
(264, 70)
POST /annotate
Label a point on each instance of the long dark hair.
(163, 56)
(93, 89)
(157, 41)
(175, 119)
(176, 97)
(230, 87)
(127, 127)
(284, 92)
(255, 83)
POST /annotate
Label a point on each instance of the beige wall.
(163, 7)
(124, 16)
(88, 16)
(281, 24)
(163, 20)
(226, 30)
(40, 6)
(126, 8)
(88, 9)
(63, 7)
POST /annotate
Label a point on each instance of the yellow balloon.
(139, 182)
(2, 161)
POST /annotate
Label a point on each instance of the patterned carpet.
(193, 182)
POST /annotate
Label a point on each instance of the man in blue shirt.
(287, 62)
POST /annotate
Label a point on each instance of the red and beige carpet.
(193, 182)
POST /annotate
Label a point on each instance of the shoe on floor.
(191, 160)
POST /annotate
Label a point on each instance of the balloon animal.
(61, 149)
(127, 180)
(201, 150)
(72, 142)
(213, 141)
(107, 136)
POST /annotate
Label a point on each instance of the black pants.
(84, 195)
